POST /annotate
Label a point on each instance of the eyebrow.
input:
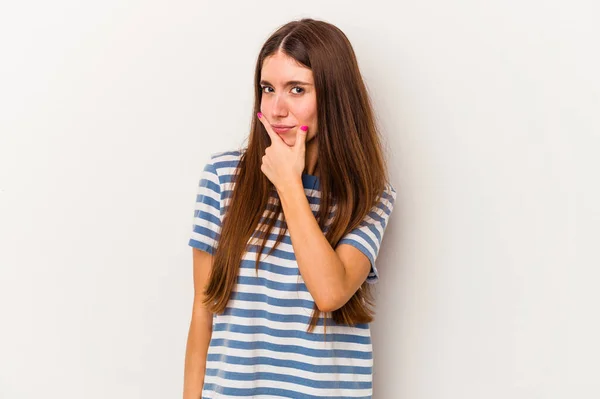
(287, 84)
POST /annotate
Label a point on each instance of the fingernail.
(259, 115)
(305, 128)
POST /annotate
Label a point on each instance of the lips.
(281, 130)
(282, 126)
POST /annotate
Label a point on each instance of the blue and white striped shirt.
(259, 346)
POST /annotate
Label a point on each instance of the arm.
(331, 276)
(200, 330)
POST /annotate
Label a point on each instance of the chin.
(287, 141)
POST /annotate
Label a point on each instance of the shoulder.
(389, 193)
(385, 203)
(224, 164)
(225, 159)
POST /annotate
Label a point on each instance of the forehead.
(281, 68)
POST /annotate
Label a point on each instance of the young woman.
(286, 232)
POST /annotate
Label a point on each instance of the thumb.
(301, 137)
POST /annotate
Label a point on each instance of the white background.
(109, 111)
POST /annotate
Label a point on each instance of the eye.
(265, 89)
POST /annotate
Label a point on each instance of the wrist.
(290, 187)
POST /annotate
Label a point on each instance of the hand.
(282, 164)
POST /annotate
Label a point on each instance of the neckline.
(309, 181)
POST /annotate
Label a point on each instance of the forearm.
(321, 268)
(199, 335)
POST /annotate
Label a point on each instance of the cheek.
(266, 103)
(307, 113)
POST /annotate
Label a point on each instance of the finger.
(301, 134)
(274, 136)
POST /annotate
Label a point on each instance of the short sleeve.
(206, 228)
(367, 236)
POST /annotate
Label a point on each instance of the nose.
(279, 107)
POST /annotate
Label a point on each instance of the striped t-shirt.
(259, 346)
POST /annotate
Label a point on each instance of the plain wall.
(489, 266)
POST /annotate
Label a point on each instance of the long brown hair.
(351, 166)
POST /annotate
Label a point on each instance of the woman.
(286, 232)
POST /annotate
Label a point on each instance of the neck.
(311, 157)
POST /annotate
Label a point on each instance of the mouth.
(281, 129)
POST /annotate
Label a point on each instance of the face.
(288, 96)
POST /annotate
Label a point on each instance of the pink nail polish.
(305, 128)
(259, 115)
